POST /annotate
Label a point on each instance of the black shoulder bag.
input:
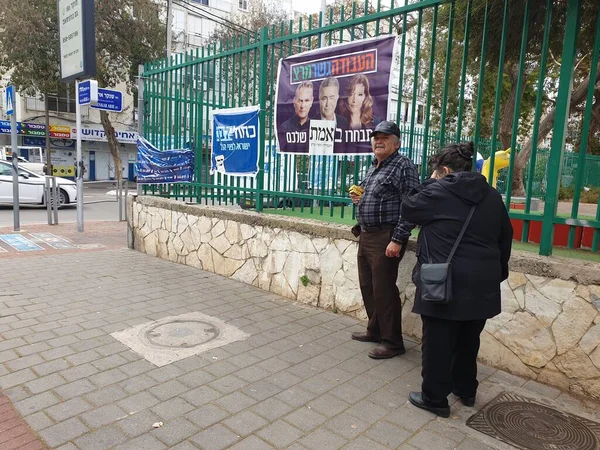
(436, 279)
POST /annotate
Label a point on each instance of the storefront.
(95, 151)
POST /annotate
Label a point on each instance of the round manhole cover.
(181, 334)
(537, 427)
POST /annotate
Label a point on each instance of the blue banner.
(236, 134)
(163, 166)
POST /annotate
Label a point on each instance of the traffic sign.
(109, 100)
(88, 92)
(10, 100)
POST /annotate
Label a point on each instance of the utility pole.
(169, 27)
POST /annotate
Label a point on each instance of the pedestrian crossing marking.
(52, 240)
(20, 243)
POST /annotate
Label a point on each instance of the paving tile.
(305, 419)
(216, 437)
(206, 415)
(244, 423)
(103, 416)
(139, 423)
(323, 439)
(201, 395)
(170, 409)
(388, 434)
(175, 431)
(146, 442)
(101, 439)
(252, 442)
(280, 434)
(235, 402)
(63, 432)
(66, 410)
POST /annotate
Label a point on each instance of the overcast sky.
(308, 6)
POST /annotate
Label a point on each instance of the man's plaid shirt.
(385, 188)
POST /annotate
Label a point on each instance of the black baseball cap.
(387, 127)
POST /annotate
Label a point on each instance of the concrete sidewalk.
(297, 381)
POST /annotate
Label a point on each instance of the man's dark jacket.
(480, 263)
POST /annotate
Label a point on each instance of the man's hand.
(355, 198)
(393, 250)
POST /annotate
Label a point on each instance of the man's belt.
(385, 226)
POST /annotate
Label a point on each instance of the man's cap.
(387, 127)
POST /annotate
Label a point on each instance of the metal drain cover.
(528, 425)
(174, 338)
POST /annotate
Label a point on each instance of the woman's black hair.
(458, 157)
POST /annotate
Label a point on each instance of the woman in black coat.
(451, 332)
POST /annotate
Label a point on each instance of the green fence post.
(262, 101)
(560, 125)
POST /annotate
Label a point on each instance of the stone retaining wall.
(549, 328)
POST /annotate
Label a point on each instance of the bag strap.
(458, 239)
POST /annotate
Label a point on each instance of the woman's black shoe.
(466, 399)
(416, 399)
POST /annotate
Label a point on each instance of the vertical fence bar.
(560, 124)
(401, 74)
(498, 92)
(536, 118)
(481, 85)
(424, 157)
(262, 100)
(446, 76)
(463, 72)
(589, 101)
(415, 86)
(517, 112)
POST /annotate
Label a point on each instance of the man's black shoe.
(466, 400)
(416, 399)
(364, 337)
(383, 352)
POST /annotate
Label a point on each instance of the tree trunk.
(113, 144)
(506, 124)
(546, 125)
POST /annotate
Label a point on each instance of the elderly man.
(383, 238)
(329, 94)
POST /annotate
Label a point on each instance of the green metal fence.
(491, 72)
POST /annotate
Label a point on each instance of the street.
(100, 204)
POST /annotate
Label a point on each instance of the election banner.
(235, 139)
(155, 166)
(329, 100)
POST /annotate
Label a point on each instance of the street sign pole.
(79, 164)
(15, 164)
(11, 111)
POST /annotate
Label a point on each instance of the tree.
(509, 70)
(128, 33)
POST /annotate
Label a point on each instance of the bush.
(590, 196)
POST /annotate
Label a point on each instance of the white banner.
(97, 134)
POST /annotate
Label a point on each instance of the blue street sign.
(109, 100)
(10, 100)
(88, 92)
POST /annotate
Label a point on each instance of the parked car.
(32, 186)
(37, 168)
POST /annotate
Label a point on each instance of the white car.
(32, 186)
(37, 168)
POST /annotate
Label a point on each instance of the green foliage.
(586, 196)
(128, 33)
(304, 280)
